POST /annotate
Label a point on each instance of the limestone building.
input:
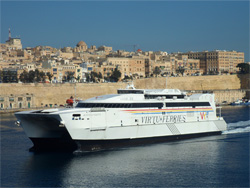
(60, 72)
(218, 61)
(105, 69)
(105, 49)
(81, 47)
(14, 44)
(129, 66)
(172, 63)
(92, 49)
(16, 101)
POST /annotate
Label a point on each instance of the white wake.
(238, 127)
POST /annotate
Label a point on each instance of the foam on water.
(238, 127)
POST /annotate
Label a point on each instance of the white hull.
(45, 131)
(141, 131)
(40, 125)
(94, 127)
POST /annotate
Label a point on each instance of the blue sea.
(214, 161)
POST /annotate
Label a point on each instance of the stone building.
(191, 66)
(67, 50)
(81, 47)
(218, 61)
(44, 51)
(105, 69)
(16, 101)
(129, 66)
(14, 44)
(172, 63)
(136, 67)
(65, 55)
(105, 49)
(92, 49)
(60, 72)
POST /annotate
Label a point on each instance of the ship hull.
(95, 145)
(45, 132)
(112, 137)
(64, 143)
(64, 131)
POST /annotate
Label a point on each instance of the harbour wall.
(38, 94)
(221, 82)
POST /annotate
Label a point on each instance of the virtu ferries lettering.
(163, 119)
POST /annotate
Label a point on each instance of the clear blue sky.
(153, 25)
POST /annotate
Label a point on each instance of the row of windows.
(147, 96)
(187, 104)
(166, 96)
(134, 69)
(19, 99)
(119, 105)
(116, 62)
(141, 105)
(130, 92)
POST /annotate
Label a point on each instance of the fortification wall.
(196, 82)
(58, 93)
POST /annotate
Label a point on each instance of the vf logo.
(203, 115)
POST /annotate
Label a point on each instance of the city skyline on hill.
(151, 26)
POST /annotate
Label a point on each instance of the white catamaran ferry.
(132, 116)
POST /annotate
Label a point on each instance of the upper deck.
(146, 98)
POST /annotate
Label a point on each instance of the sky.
(171, 26)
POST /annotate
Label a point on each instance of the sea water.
(214, 161)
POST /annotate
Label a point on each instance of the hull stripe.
(144, 113)
(170, 109)
(157, 111)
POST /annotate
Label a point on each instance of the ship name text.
(163, 119)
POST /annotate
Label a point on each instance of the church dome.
(81, 43)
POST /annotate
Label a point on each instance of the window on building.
(11, 99)
(20, 99)
(28, 98)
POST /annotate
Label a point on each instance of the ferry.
(130, 117)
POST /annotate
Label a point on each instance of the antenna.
(9, 34)
(134, 47)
